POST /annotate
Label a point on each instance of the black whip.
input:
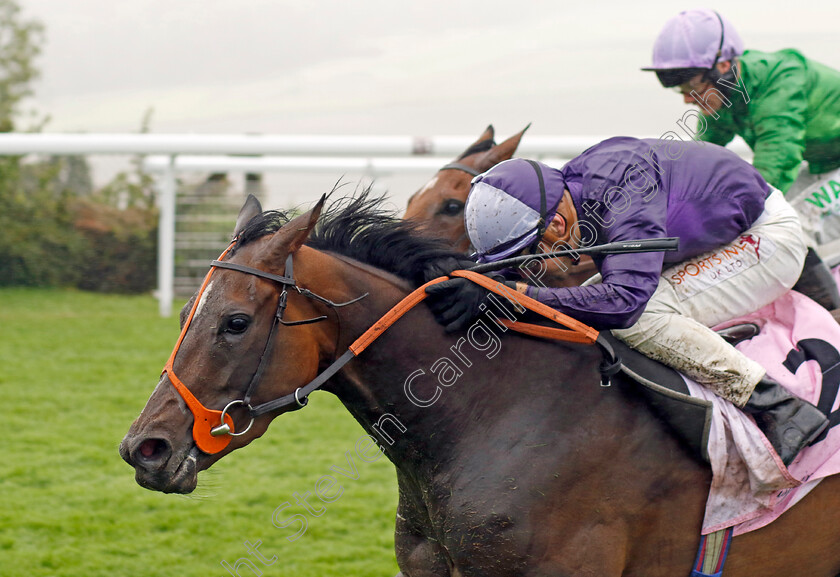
(622, 247)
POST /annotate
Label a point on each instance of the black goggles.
(677, 76)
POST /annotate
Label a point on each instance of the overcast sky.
(426, 67)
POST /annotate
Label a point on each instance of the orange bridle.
(212, 429)
(204, 419)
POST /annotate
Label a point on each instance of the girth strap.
(711, 554)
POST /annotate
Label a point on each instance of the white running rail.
(373, 155)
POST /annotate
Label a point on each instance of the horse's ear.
(488, 134)
(249, 210)
(501, 152)
(292, 236)
(310, 219)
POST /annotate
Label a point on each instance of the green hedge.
(54, 236)
(120, 247)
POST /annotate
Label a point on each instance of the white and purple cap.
(695, 39)
(510, 206)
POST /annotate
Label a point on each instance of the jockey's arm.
(720, 132)
(778, 116)
(628, 280)
(617, 302)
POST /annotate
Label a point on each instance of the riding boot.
(788, 422)
(817, 283)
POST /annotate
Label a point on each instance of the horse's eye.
(237, 325)
(452, 207)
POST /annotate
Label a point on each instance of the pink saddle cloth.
(798, 346)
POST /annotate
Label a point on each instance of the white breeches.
(736, 279)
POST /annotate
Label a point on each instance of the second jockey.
(741, 247)
(784, 105)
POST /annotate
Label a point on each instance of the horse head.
(439, 204)
(226, 348)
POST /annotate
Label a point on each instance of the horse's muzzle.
(155, 466)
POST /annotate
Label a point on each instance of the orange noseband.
(204, 419)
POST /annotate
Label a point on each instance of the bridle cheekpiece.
(213, 430)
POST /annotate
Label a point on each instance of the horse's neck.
(428, 397)
(423, 394)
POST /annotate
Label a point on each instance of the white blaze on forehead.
(204, 296)
(428, 186)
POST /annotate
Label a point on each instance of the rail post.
(166, 239)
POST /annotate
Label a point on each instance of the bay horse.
(439, 204)
(438, 207)
(510, 458)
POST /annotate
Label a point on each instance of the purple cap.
(503, 210)
(695, 39)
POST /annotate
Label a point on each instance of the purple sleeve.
(615, 303)
(628, 280)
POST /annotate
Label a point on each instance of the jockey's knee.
(649, 326)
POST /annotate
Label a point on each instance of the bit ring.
(224, 428)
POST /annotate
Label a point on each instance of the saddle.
(667, 393)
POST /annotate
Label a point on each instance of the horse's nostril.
(152, 450)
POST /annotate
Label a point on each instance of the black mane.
(360, 227)
(265, 223)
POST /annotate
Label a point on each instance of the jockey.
(741, 247)
(785, 106)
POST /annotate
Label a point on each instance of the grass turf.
(75, 370)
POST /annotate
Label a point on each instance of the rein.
(213, 430)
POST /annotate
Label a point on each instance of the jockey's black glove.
(442, 267)
(456, 302)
